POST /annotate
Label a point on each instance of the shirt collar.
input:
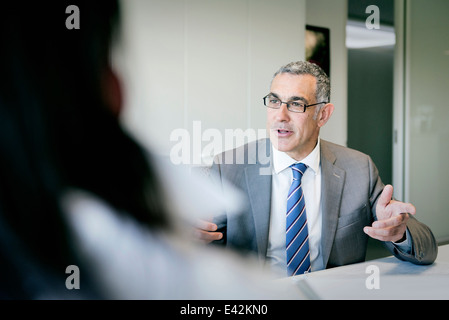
(282, 161)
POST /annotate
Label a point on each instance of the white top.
(132, 261)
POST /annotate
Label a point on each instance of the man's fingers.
(206, 225)
(385, 196)
(402, 207)
(392, 222)
(391, 229)
(207, 236)
(386, 207)
(205, 231)
(385, 234)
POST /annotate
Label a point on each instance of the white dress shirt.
(311, 184)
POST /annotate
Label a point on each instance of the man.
(339, 189)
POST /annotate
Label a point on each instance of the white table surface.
(397, 280)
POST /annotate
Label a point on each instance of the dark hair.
(323, 88)
(57, 134)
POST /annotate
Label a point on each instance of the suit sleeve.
(424, 246)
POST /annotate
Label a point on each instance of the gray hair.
(323, 87)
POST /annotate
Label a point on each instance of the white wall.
(203, 60)
(333, 14)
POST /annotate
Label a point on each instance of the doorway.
(370, 90)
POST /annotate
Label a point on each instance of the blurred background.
(195, 65)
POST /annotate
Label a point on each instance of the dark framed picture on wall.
(317, 45)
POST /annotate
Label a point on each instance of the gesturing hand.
(392, 217)
(207, 231)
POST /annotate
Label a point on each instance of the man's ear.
(112, 91)
(325, 114)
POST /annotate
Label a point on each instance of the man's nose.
(282, 114)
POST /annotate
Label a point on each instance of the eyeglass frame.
(288, 104)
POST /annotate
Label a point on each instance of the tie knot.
(298, 170)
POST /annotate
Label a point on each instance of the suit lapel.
(332, 187)
(258, 180)
(259, 190)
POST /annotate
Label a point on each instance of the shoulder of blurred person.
(57, 132)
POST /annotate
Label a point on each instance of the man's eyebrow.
(293, 98)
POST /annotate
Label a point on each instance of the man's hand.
(392, 217)
(206, 231)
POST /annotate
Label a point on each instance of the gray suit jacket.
(350, 188)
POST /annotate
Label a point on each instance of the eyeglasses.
(273, 102)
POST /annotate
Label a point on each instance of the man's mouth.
(283, 132)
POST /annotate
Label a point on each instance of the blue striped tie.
(297, 236)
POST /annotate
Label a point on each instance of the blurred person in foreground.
(76, 189)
